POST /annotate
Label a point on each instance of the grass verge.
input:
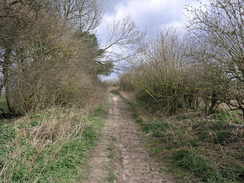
(3, 104)
(51, 146)
(196, 149)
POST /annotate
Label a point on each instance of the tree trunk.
(214, 101)
(6, 65)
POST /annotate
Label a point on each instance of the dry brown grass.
(56, 125)
(45, 144)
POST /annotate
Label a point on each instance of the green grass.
(7, 135)
(3, 104)
(200, 166)
(64, 161)
(196, 150)
(156, 128)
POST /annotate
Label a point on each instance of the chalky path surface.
(120, 156)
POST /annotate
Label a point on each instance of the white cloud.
(139, 9)
(149, 15)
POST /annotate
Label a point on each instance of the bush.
(52, 72)
(168, 82)
(47, 59)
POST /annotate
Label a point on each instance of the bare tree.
(121, 43)
(86, 14)
(221, 24)
(219, 28)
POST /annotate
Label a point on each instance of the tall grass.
(50, 146)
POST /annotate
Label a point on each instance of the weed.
(156, 128)
(198, 165)
(3, 104)
(99, 111)
(233, 171)
(49, 147)
(111, 177)
(200, 149)
(7, 135)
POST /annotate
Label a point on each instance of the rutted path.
(120, 156)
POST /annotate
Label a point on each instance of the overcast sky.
(150, 16)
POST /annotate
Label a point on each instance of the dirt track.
(120, 156)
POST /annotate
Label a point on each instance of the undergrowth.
(51, 146)
(3, 105)
(198, 149)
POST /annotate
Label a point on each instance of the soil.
(121, 156)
